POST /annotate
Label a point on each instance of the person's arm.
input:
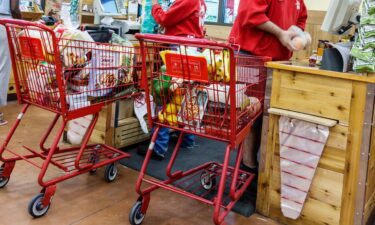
(179, 11)
(284, 36)
(15, 9)
(255, 15)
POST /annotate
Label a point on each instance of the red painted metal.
(49, 192)
(8, 168)
(173, 159)
(45, 75)
(48, 132)
(224, 114)
(145, 203)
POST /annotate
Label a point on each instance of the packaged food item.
(301, 42)
(302, 39)
(366, 55)
(104, 74)
(220, 93)
(42, 84)
(127, 58)
(77, 100)
(313, 59)
(368, 7)
(368, 30)
(364, 67)
(367, 19)
(193, 108)
(162, 86)
(73, 47)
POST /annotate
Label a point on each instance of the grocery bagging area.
(187, 112)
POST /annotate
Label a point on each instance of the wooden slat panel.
(323, 202)
(370, 185)
(326, 186)
(129, 132)
(338, 137)
(314, 212)
(104, 128)
(325, 97)
(128, 121)
(369, 208)
(264, 180)
(353, 153)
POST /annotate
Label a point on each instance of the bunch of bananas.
(218, 65)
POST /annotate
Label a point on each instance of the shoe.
(190, 147)
(143, 151)
(2, 121)
(157, 156)
(249, 169)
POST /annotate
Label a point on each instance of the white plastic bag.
(301, 146)
(140, 110)
(77, 129)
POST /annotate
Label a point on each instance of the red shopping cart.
(201, 87)
(71, 79)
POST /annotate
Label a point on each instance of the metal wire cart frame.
(70, 78)
(204, 88)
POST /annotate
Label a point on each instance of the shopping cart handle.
(166, 39)
(24, 23)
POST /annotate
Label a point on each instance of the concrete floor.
(88, 199)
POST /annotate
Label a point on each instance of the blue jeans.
(162, 141)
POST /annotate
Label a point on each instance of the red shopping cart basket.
(72, 79)
(200, 87)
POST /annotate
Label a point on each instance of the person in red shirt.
(183, 18)
(262, 28)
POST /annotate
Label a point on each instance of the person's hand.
(285, 37)
(155, 2)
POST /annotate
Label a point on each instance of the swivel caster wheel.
(110, 172)
(3, 180)
(136, 216)
(208, 180)
(36, 208)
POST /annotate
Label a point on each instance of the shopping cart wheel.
(208, 180)
(110, 173)
(36, 208)
(3, 180)
(136, 216)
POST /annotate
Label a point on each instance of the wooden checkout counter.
(343, 189)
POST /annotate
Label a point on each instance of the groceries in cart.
(92, 72)
(193, 89)
(71, 78)
(207, 91)
(42, 83)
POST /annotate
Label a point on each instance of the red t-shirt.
(183, 18)
(252, 13)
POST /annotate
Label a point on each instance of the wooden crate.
(343, 189)
(104, 131)
(117, 126)
(129, 132)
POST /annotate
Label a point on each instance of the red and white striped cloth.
(301, 146)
